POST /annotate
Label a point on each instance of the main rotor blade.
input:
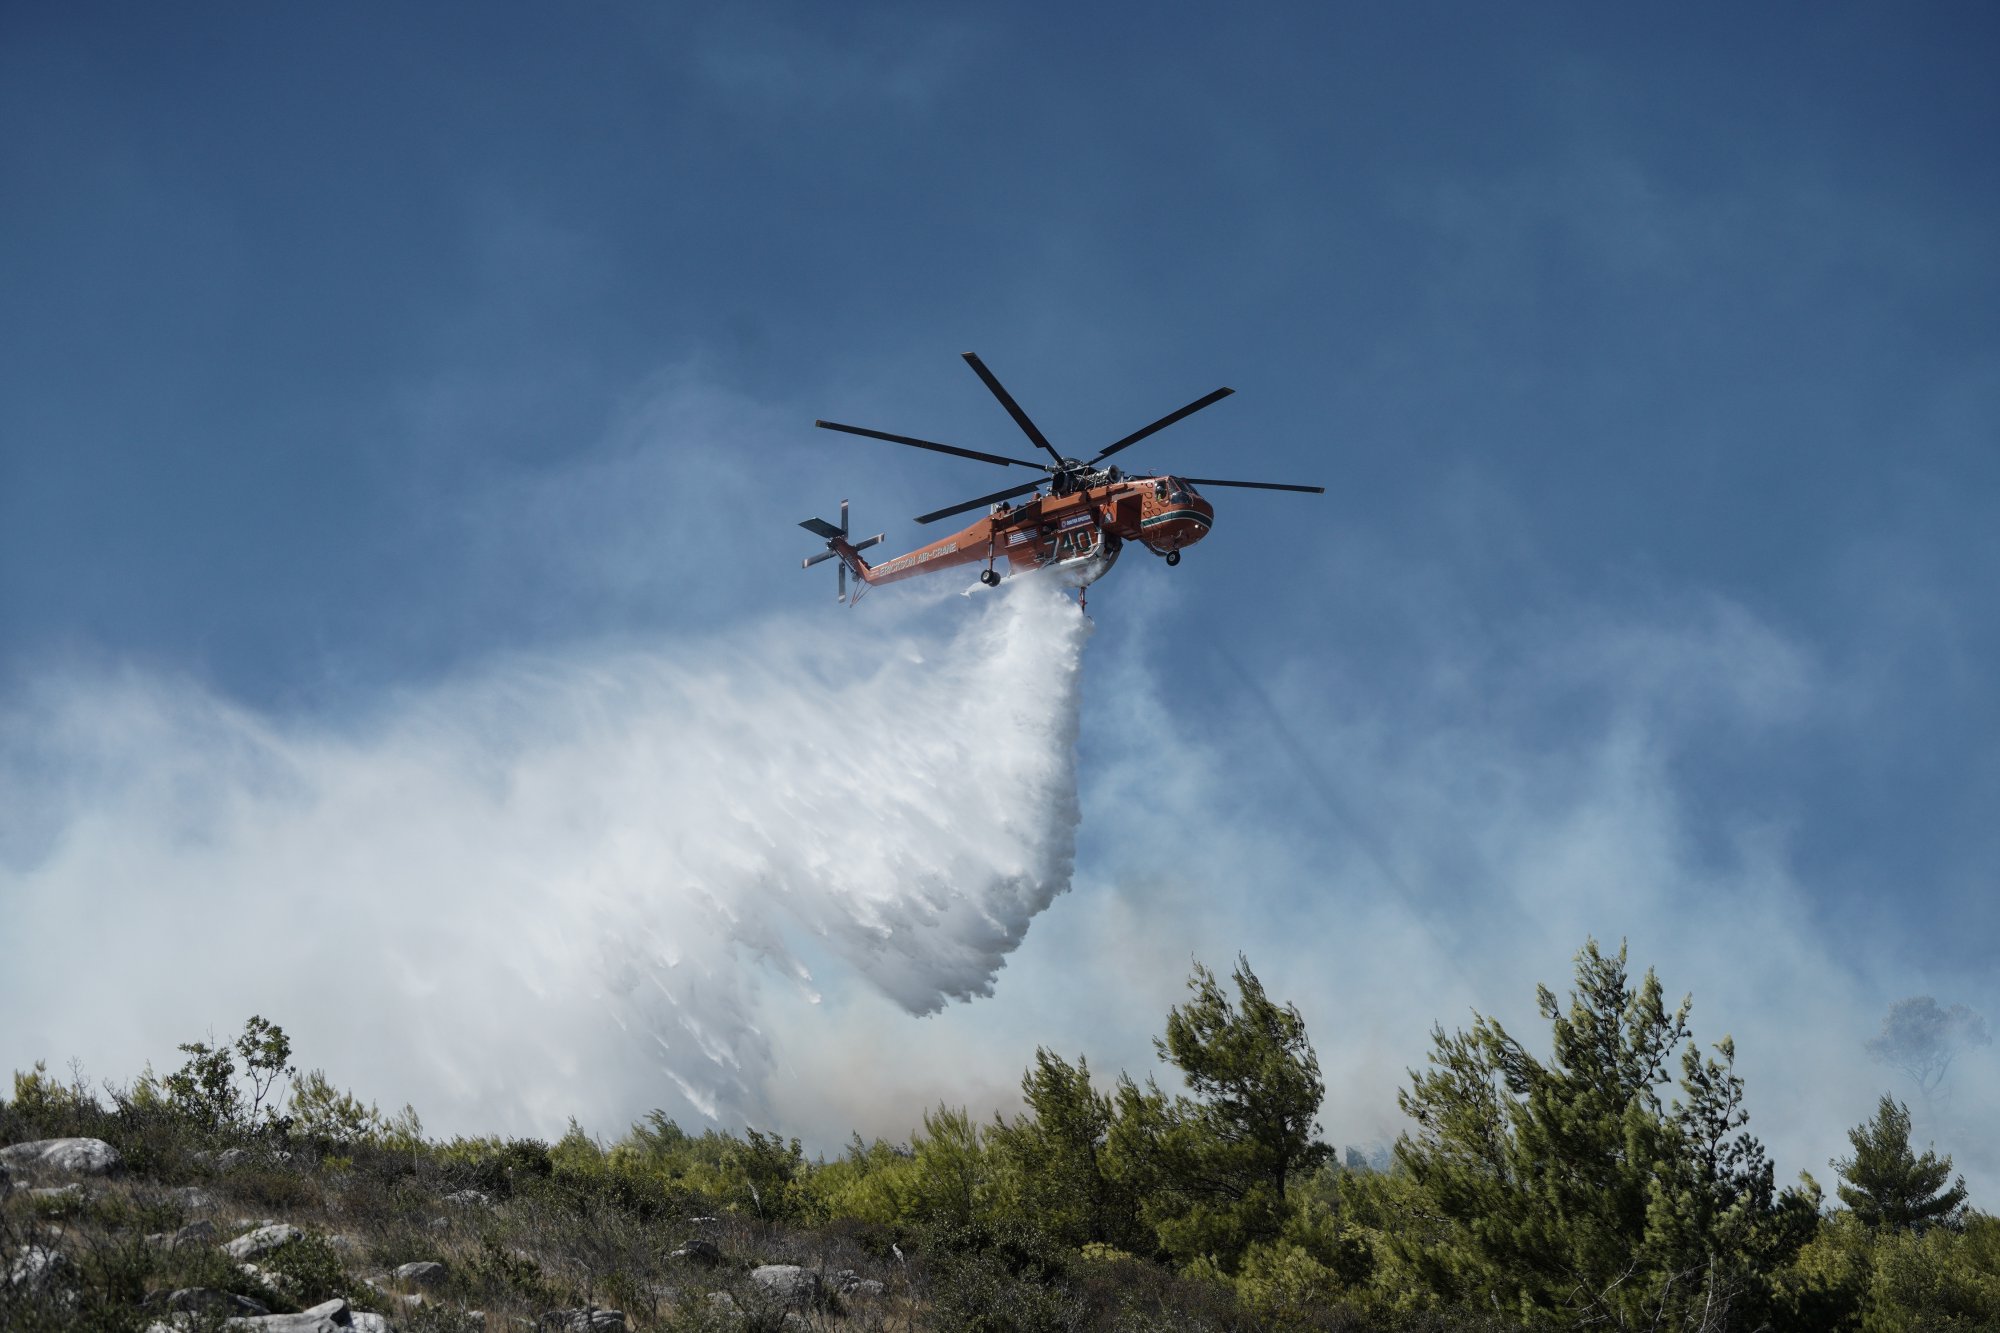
(1163, 423)
(994, 498)
(1013, 408)
(931, 444)
(1254, 485)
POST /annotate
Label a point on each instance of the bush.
(310, 1270)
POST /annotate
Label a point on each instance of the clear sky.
(1652, 363)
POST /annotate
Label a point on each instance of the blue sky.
(1653, 369)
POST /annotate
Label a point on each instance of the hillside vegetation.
(1611, 1183)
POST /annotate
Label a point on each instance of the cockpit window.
(1178, 493)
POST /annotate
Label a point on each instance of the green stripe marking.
(1173, 514)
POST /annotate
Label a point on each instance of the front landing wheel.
(1173, 557)
(990, 578)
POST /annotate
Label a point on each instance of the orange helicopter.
(1079, 526)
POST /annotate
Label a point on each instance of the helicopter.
(1076, 519)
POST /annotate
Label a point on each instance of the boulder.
(584, 1321)
(850, 1283)
(210, 1300)
(37, 1267)
(699, 1251)
(70, 1194)
(787, 1282)
(198, 1232)
(469, 1199)
(334, 1316)
(75, 1157)
(256, 1244)
(193, 1199)
(424, 1273)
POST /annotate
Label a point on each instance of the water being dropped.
(557, 887)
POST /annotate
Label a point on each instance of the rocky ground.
(256, 1239)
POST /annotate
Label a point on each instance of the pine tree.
(1888, 1185)
(1212, 1170)
(1053, 1158)
(1568, 1189)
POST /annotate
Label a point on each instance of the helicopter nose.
(1182, 525)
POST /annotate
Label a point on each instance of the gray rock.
(364, 1322)
(583, 1321)
(231, 1158)
(193, 1199)
(65, 1194)
(209, 1300)
(258, 1243)
(850, 1283)
(37, 1267)
(76, 1157)
(199, 1232)
(332, 1317)
(469, 1199)
(787, 1282)
(424, 1273)
(722, 1300)
(263, 1275)
(699, 1251)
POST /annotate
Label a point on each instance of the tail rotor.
(837, 546)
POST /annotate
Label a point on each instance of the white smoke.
(553, 889)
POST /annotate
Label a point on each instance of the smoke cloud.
(558, 888)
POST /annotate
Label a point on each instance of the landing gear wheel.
(989, 578)
(1173, 557)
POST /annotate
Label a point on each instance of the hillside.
(1610, 1184)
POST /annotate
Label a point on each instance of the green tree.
(319, 1110)
(1213, 1169)
(266, 1053)
(204, 1091)
(1052, 1159)
(951, 1183)
(1567, 1190)
(771, 1170)
(1889, 1185)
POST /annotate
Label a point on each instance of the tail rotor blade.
(843, 582)
(843, 518)
(812, 560)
